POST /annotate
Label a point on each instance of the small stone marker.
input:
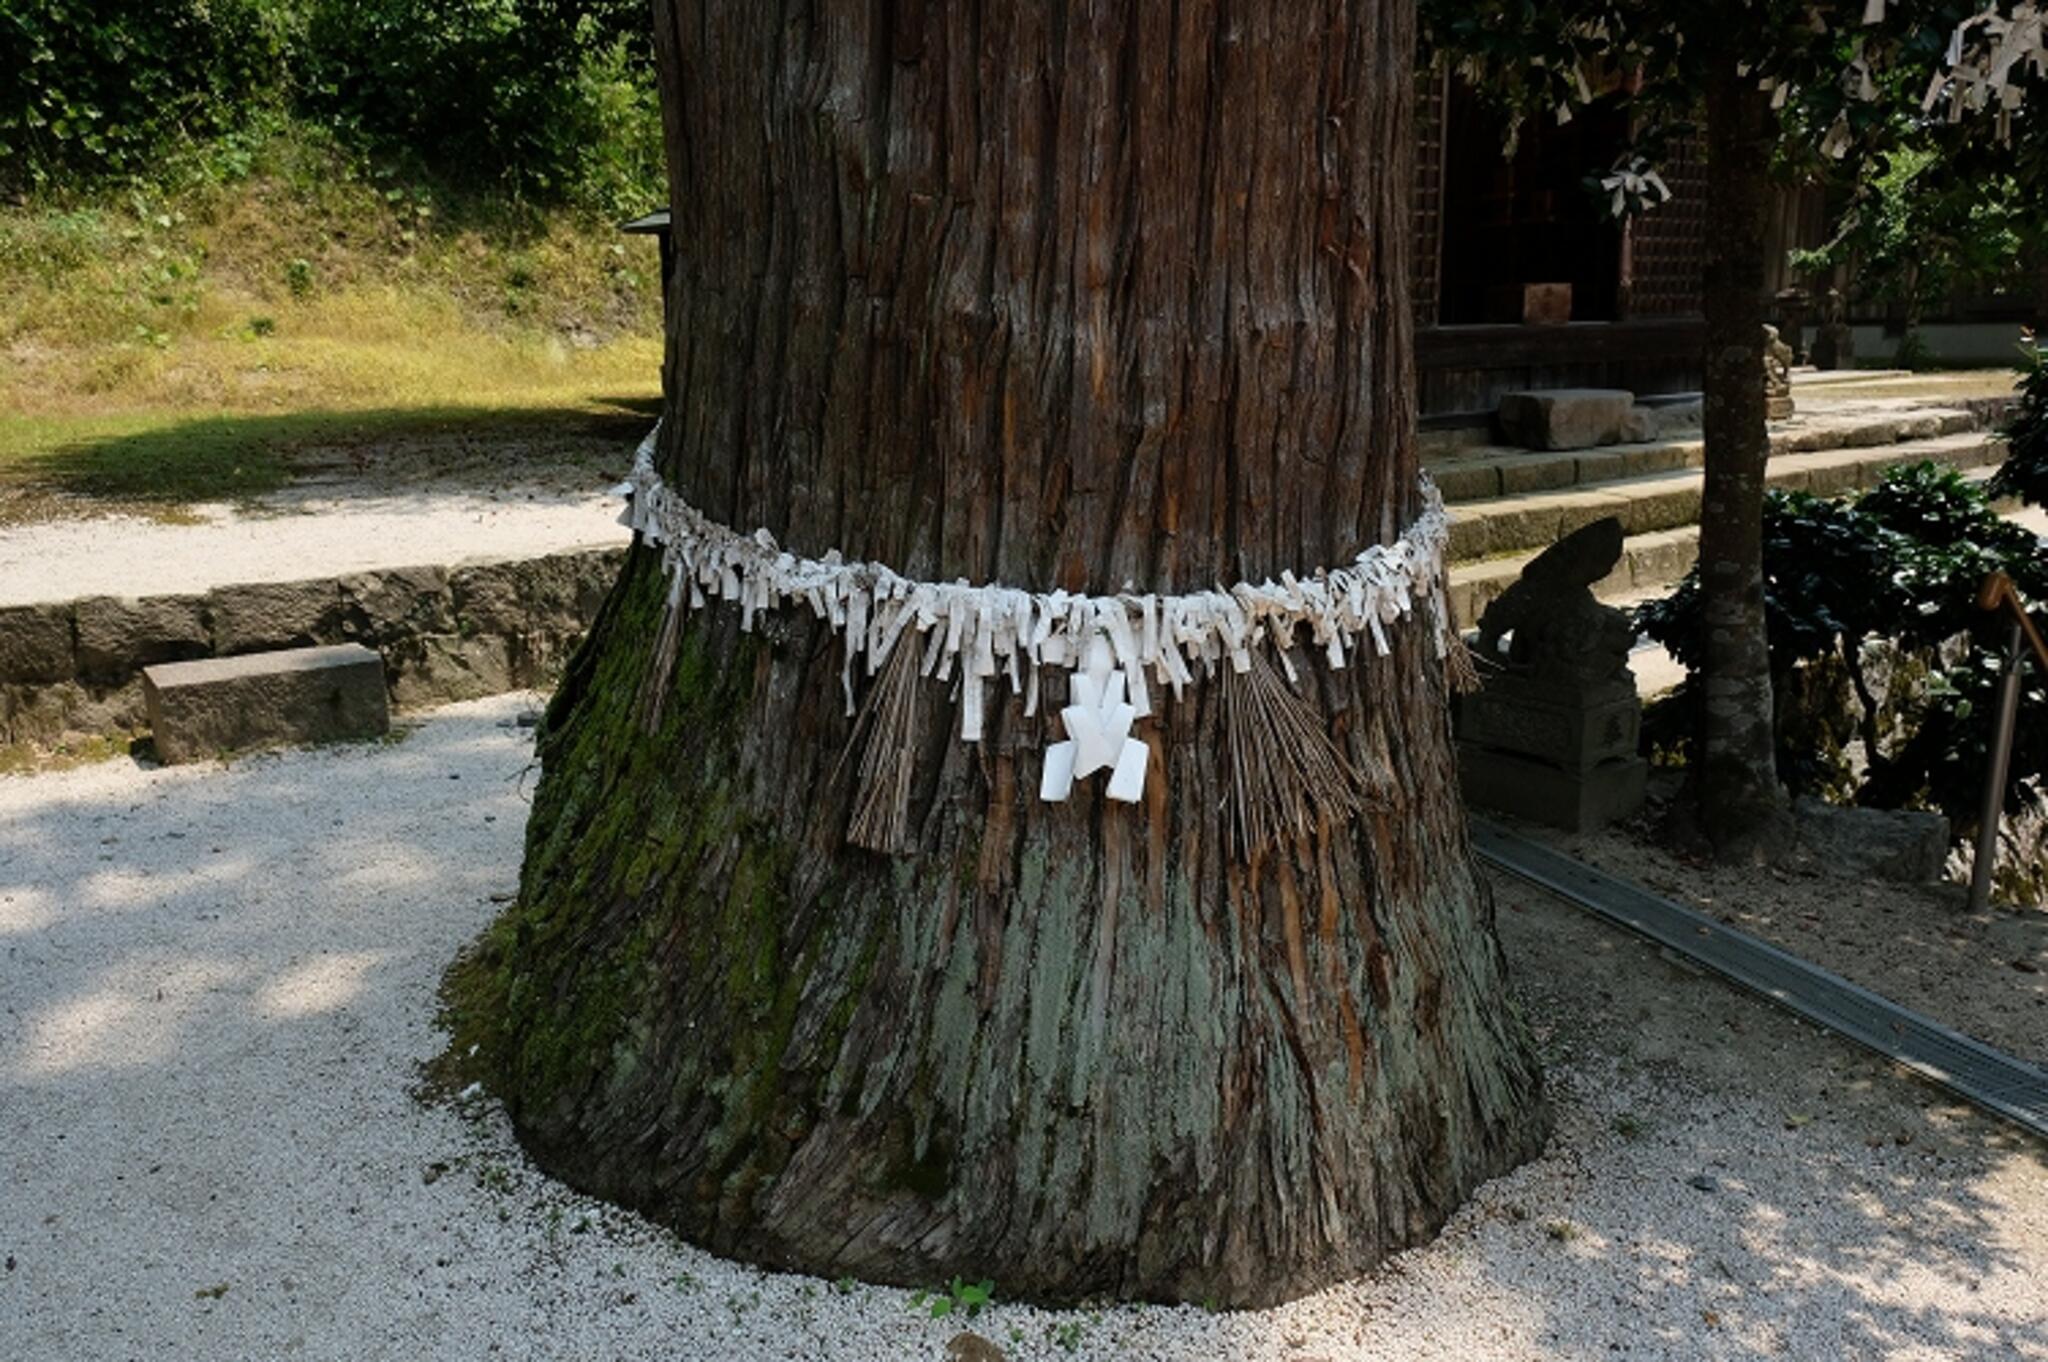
(1566, 418)
(1551, 735)
(224, 704)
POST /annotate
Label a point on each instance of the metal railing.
(1999, 594)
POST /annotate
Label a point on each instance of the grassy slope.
(163, 346)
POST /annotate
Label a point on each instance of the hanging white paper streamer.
(994, 631)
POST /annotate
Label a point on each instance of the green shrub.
(2024, 474)
(1874, 634)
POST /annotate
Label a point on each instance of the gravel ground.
(1985, 974)
(218, 983)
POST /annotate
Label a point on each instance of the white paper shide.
(1114, 648)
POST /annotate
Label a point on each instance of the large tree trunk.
(1056, 295)
(1740, 803)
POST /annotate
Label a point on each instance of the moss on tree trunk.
(1053, 296)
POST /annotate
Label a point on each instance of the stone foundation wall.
(445, 633)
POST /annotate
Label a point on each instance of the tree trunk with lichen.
(1742, 809)
(1053, 295)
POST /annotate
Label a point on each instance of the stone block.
(1867, 435)
(1565, 418)
(1676, 418)
(564, 591)
(1460, 594)
(117, 636)
(442, 668)
(396, 602)
(1660, 507)
(1538, 472)
(1639, 425)
(1890, 844)
(1471, 537)
(1789, 477)
(1829, 475)
(1603, 466)
(487, 598)
(257, 616)
(558, 594)
(227, 704)
(1526, 788)
(1668, 457)
(1467, 479)
(1661, 560)
(1578, 511)
(1517, 523)
(35, 644)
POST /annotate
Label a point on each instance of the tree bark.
(1741, 806)
(1055, 295)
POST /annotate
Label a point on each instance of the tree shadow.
(1727, 1180)
(238, 457)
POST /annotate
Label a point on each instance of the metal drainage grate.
(1991, 1078)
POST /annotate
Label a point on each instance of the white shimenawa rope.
(993, 630)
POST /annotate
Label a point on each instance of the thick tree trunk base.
(1082, 1054)
(1056, 296)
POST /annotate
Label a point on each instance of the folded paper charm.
(1098, 739)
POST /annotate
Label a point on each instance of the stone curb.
(480, 627)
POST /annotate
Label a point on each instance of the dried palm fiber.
(1286, 772)
(888, 722)
(1459, 667)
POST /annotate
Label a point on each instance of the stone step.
(1806, 377)
(1484, 472)
(1508, 525)
(219, 705)
(1651, 564)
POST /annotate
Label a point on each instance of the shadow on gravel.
(161, 464)
(1745, 1184)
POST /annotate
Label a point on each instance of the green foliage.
(1914, 233)
(2024, 474)
(1875, 634)
(552, 100)
(101, 85)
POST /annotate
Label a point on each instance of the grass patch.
(167, 344)
(170, 437)
(72, 750)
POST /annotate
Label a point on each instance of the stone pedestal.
(1556, 754)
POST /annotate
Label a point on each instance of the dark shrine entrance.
(1528, 219)
(1491, 232)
